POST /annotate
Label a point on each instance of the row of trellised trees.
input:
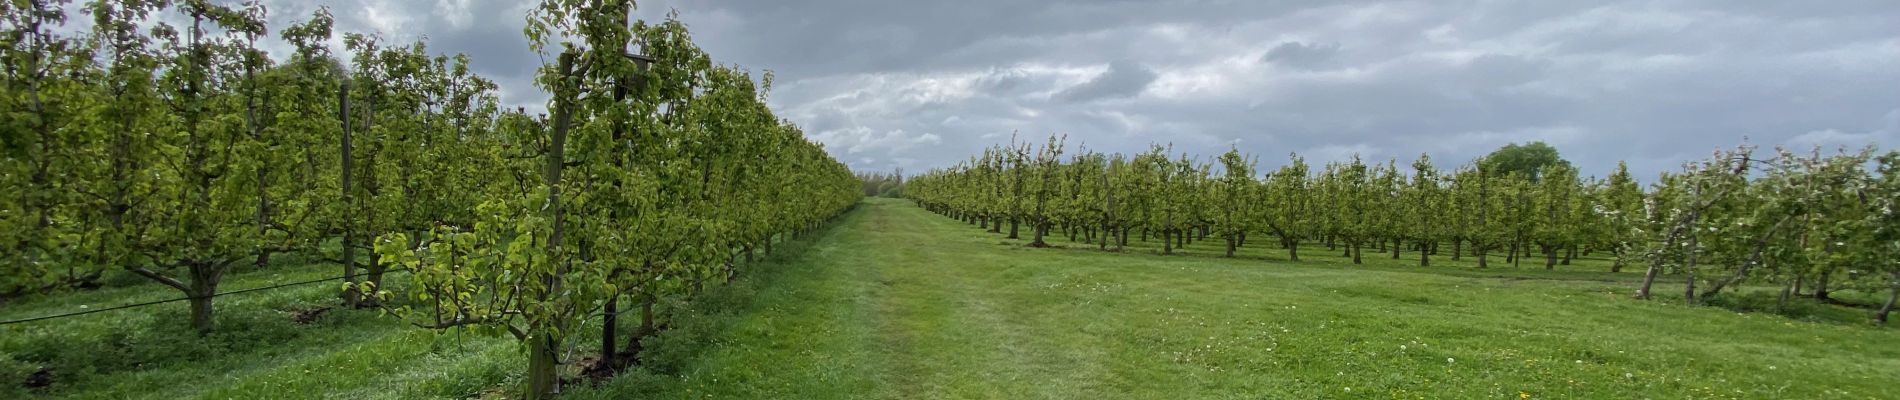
(181, 152)
(1811, 221)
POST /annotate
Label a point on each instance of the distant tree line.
(883, 184)
(1808, 222)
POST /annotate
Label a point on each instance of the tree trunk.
(201, 289)
(1013, 222)
(1457, 249)
(1820, 284)
(1483, 259)
(351, 296)
(263, 169)
(646, 320)
(201, 295)
(542, 382)
(1230, 246)
(263, 255)
(542, 343)
(1893, 296)
(1689, 289)
(646, 327)
(1425, 257)
(1550, 257)
(1356, 252)
(263, 218)
(1569, 254)
(610, 319)
(1167, 241)
(1649, 278)
(1293, 250)
(1396, 245)
(1786, 292)
(1655, 259)
(376, 270)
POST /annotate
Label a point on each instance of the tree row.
(1815, 222)
(183, 152)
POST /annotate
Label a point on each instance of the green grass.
(257, 351)
(895, 302)
(939, 309)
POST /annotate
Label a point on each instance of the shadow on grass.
(1800, 308)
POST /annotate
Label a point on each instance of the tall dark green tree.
(1529, 160)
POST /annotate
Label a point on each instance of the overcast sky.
(924, 84)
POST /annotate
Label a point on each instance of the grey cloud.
(1651, 82)
(1122, 79)
(919, 84)
(1005, 80)
(1503, 69)
(847, 36)
(1301, 55)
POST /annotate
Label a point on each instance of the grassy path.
(900, 303)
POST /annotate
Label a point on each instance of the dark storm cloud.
(922, 84)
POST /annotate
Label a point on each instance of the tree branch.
(161, 278)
